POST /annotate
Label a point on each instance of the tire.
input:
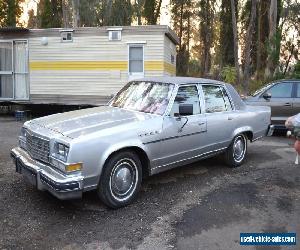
(120, 180)
(236, 152)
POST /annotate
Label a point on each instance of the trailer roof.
(84, 31)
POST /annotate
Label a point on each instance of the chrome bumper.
(44, 177)
(270, 130)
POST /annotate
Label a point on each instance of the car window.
(281, 90)
(186, 95)
(298, 90)
(215, 100)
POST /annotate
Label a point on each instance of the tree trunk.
(181, 26)
(66, 14)
(235, 42)
(107, 12)
(157, 12)
(76, 17)
(258, 42)
(289, 60)
(248, 47)
(272, 33)
(139, 5)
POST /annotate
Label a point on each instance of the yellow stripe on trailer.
(78, 65)
(99, 65)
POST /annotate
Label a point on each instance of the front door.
(183, 138)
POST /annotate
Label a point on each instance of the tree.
(248, 43)
(226, 41)
(10, 12)
(181, 16)
(32, 22)
(206, 32)
(151, 11)
(235, 41)
(262, 37)
(272, 36)
(49, 14)
(290, 42)
(138, 10)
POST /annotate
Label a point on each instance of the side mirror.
(267, 96)
(185, 109)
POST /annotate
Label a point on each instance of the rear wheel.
(236, 152)
(120, 180)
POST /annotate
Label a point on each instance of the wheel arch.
(140, 153)
(247, 131)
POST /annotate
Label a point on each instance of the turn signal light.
(74, 167)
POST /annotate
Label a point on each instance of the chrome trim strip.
(173, 137)
(190, 158)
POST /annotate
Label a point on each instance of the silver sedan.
(150, 126)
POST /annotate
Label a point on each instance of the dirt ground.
(205, 205)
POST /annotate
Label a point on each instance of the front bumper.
(270, 130)
(44, 177)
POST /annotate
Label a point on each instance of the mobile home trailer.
(81, 65)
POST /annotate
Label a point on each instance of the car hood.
(81, 122)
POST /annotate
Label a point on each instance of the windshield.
(148, 97)
(259, 91)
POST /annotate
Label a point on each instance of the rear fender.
(241, 130)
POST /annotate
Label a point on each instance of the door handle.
(287, 104)
(201, 123)
(230, 118)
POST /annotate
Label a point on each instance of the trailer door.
(21, 70)
(6, 71)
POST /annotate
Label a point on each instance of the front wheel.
(120, 180)
(236, 152)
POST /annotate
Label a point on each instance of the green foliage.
(194, 68)
(273, 47)
(10, 12)
(50, 14)
(226, 44)
(229, 74)
(121, 13)
(151, 11)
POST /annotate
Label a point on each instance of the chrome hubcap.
(123, 179)
(239, 148)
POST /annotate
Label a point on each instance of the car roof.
(178, 80)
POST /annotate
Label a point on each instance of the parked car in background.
(282, 96)
(150, 126)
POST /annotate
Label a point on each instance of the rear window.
(215, 101)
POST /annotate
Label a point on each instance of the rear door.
(281, 101)
(220, 116)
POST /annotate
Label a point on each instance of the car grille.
(38, 148)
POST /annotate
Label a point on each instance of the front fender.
(119, 146)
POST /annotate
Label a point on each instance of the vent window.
(114, 35)
(66, 36)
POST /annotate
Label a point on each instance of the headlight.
(23, 133)
(60, 151)
(22, 138)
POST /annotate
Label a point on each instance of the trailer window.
(136, 59)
